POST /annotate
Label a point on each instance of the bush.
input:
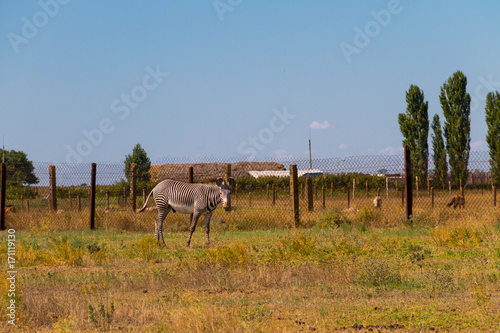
(332, 217)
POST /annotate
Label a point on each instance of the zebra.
(187, 198)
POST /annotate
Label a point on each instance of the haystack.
(208, 171)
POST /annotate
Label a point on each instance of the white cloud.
(478, 146)
(343, 146)
(391, 151)
(282, 153)
(320, 125)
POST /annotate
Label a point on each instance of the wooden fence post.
(227, 172)
(107, 200)
(416, 184)
(3, 187)
(70, 200)
(52, 188)
(144, 192)
(92, 196)
(323, 195)
(409, 197)
(294, 193)
(348, 198)
(274, 194)
(267, 191)
(309, 191)
(387, 187)
(494, 195)
(79, 201)
(133, 182)
(432, 196)
(331, 189)
(353, 187)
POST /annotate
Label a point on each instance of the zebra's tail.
(145, 203)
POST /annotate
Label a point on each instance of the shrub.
(332, 217)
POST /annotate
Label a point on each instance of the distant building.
(284, 173)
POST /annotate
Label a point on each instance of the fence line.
(265, 193)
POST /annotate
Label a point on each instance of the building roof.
(282, 173)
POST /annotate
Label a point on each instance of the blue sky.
(87, 80)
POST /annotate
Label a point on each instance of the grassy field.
(364, 270)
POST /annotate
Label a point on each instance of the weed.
(379, 274)
(456, 237)
(257, 313)
(235, 254)
(293, 248)
(332, 217)
(440, 280)
(65, 252)
(482, 296)
(99, 254)
(367, 215)
(146, 249)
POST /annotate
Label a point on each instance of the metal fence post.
(92, 196)
(408, 179)
(294, 193)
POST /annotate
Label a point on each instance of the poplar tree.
(492, 110)
(139, 157)
(414, 125)
(439, 155)
(455, 102)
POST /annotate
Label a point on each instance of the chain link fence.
(331, 191)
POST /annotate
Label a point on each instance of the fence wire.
(343, 190)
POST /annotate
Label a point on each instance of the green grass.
(322, 278)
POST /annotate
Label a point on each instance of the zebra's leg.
(192, 228)
(162, 214)
(207, 227)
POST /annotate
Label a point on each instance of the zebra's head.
(225, 192)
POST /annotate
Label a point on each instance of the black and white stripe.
(186, 198)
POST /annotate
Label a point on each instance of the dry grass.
(340, 270)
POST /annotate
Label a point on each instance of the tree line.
(450, 142)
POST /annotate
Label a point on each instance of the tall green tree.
(414, 125)
(492, 110)
(455, 102)
(139, 157)
(439, 153)
(20, 170)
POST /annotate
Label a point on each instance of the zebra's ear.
(231, 182)
(219, 182)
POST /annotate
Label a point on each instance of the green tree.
(139, 157)
(439, 156)
(414, 125)
(493, 136)
(455, 102)
(20, 170)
